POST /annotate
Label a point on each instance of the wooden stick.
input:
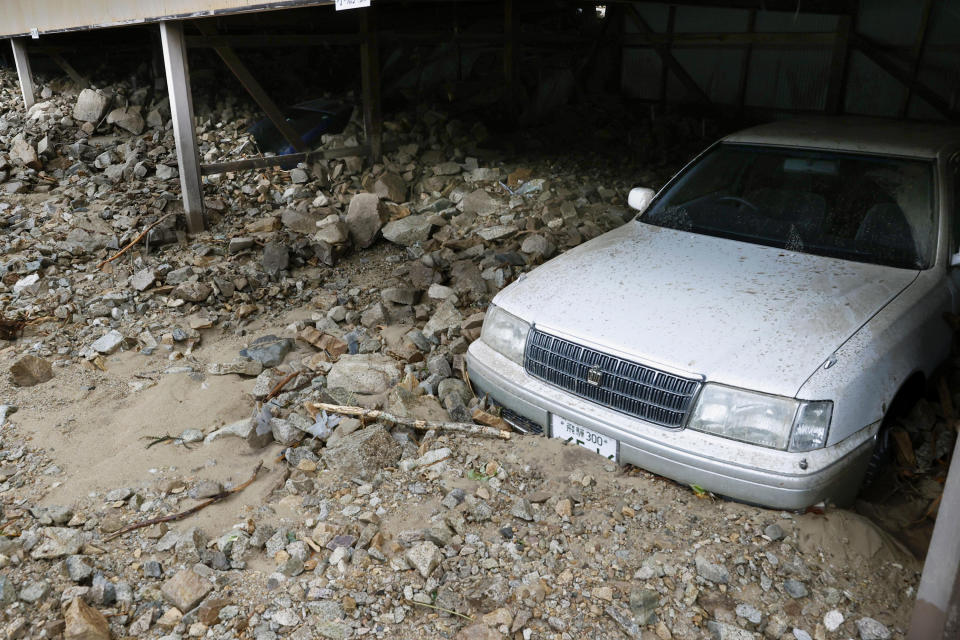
(134, 241)
(433, 606)
(189, 512)
(420, 425)
(279, 387)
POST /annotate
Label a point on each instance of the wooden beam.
(68, 69)
(509, 47)
(181, 108)
(370, 84)
(283, 160)
(745, 63)
(837, 81)
(240, 70)
(668, 59)
(22, 60)
(664, 73)
(917, 54)
(261, 41)
(872, 50)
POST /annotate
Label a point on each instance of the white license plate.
(587, 438)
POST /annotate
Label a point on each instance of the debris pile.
(388, 506)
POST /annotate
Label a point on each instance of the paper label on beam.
(352, 4)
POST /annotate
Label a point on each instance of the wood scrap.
(421, 425)
(139, 237)
(277, 388)
(11, 329)
(223, 495)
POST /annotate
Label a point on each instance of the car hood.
(746, 315)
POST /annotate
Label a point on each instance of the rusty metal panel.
(51, 16)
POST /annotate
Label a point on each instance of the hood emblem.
(594, 377)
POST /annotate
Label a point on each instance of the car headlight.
(765, 420)
(505, 333)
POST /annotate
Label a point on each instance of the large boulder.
(408, 231)
(365, 217)
(30, 370)
(91, 105)
(363, 452)
(364, 373)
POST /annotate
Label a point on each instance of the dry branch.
(413, 423)
(189, 512)
(139, 237)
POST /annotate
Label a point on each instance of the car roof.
(863, 135)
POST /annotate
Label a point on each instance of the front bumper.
(738, 470)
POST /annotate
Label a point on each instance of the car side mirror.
(640, 198)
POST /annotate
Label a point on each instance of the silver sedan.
(751, 329)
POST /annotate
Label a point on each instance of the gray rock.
(240, 429)
(301, 221)
(800, 634)
(90, 106)
(241, 366)
(538, 244)
(408, 231)
(268, 350)
(34, 591)
(399, 295)
(152, 569)
(480, 203)
(143, 279)
(365, 217)
(626, 622)
(496, 232)
(391, 187)
(364, 452)
(102, 591)
(795, 588)
(522, 509)
(108, 343)
(774, 532)
(56, 542)
(454, 386)
(751, 613)
(285, 432)
(424, 557)
(78, 569)
(446, 317)
(276, 258)
(364, 373)
(298, 176)
(166, 172)
(871, 629)
(128, 118)
(192, 291)
(709, 571)
(643, 605)
(724, 631)
(832, 620)
(186, 589)
(236, 245)
(118, 494)
(8, 594)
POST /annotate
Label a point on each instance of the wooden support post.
(664, 69)
(918, 46)
(936, 614)
(837, 82)
(509, 48)
(745, 65)
(22, 61)
(184, 133)
(668, 60)
(370, 81)
(240, 70)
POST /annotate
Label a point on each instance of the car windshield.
(852, 206)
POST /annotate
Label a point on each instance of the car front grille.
(634, 389)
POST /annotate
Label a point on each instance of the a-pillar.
(23, 71)
(184, 133)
